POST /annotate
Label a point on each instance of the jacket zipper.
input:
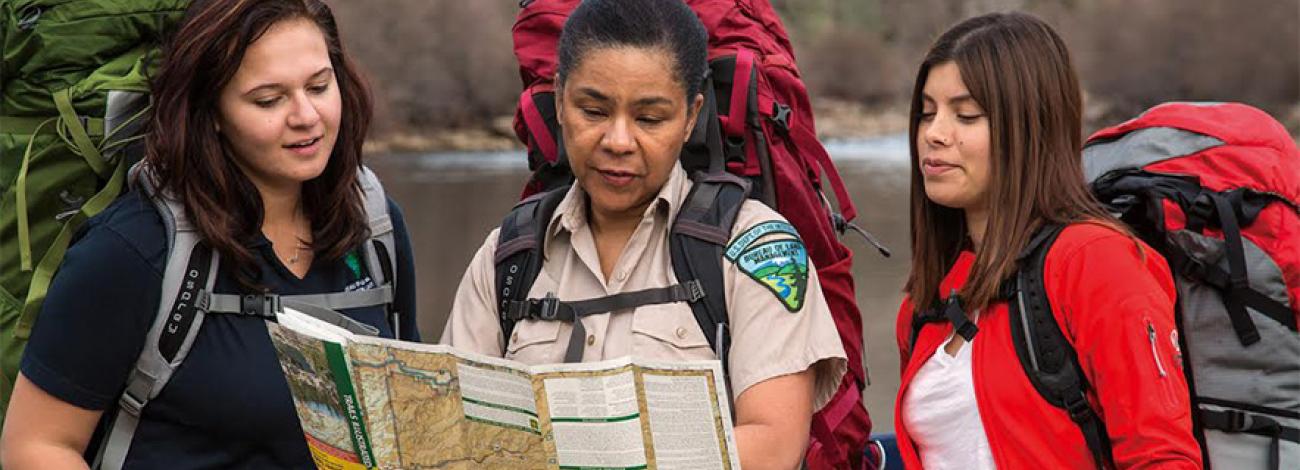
(1155, 352)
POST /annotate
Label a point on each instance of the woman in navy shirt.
(257, 129)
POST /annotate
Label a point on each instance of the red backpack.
(767, 137)
(1215, 187)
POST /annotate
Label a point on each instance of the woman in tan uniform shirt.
(627, 96)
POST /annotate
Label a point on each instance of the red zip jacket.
(1114, 302)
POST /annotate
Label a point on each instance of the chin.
(947, 199)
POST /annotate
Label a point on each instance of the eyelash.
(315, 90)
(927, 117)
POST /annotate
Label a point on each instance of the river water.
(452, 200)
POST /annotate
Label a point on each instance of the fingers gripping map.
(374, 403)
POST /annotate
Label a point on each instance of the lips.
(935, 167)
(617, 178)
(305, 146)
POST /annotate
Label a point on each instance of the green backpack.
(73, 96)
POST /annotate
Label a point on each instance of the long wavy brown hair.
(1019, 71)
(191, 161)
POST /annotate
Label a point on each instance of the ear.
(692, 114)
(558, 90)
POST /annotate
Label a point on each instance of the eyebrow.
(963, 98)
(647, 101)
(277, 86)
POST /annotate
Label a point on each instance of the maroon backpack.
(767, 137)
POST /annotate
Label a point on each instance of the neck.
(613, 223)
(281, 206)
(976, 223)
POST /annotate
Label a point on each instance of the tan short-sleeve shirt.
(768, 339)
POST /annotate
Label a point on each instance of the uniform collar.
(571, 214)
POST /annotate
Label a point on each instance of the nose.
(618, 139)
(938, 132)
(303, 113)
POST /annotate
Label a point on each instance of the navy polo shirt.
(228, 405)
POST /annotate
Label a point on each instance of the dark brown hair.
(191, 161)
(1019, 72)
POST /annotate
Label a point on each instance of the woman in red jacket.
(995, 143)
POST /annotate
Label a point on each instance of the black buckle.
(547, 308)
(1237, 421)
(781, 116)
(695, 290)
(1078, 408)
(260, 305)
(1200, 212)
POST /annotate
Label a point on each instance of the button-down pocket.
(535, 342)
(669, 332)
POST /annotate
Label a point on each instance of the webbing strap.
(81, 143)
(20, 196)
(44, 272)
(542, 137)
(1235, 421)
(552, 308)
(1213, 276)
(1094, 430)
(956, 315)
(1245, 328)
(806, 141)
(733, 124)
(34, 125)
(265, 305)
(950, 311)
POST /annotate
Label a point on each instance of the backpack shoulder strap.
(697, 242)
(380, 251)
(519, 251)
(1047, 357)
(188, 278)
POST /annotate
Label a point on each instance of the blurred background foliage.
(445, 75)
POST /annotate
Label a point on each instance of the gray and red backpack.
(1215, 188)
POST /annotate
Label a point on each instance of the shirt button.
(514, 338)
(681, 333)
(622, 275)
(591, 340)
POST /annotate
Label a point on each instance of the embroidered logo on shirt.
(354, 263)
(754, 233)
(781, 266)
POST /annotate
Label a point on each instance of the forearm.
(764, 446)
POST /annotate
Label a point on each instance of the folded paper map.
(367, 402)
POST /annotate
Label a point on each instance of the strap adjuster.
(131, 404)
(203, 300)
(1237, 421)
(260, 305)
(781, 116)
(547, 308)
(1078, 408)
(695, 290)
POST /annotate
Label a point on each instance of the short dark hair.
(669, 25)
(189, 159)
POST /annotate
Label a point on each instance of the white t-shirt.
(941, 414)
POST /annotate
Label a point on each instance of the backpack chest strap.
(320, 306)
(551, 308)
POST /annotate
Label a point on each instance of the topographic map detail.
(417, 415)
